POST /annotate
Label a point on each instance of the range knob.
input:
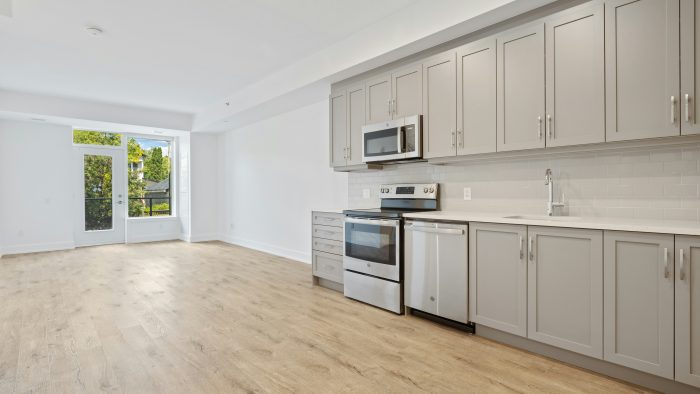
(425, 190)
(432, 190)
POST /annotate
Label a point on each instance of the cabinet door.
(378, 99)
(407, 91)
(565, 289)
(476, 97)
(576, 76)
(452, 272)
(638, 301)
(356, 119)
(498, 277)
(688, 310)
(338, 128)
(642, 70)
(420, 277)
(520, 94)
(690, 66)
(439, 102)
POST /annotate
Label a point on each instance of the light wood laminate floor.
(175, 317)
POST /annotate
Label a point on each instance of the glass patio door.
(101, 196)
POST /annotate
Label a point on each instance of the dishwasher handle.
(433, 230)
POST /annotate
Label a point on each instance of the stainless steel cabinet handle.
(673, 109)
(665, 262)
(549, 126)
(433, 230)
(348, 149)
(531, 248)
(520, 241)
(687, 108)
(460, 134)
(454, 139)
(388, 107)
(539, 127)
(393, 106)
(682, 257)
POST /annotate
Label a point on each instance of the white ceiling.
(179, 55)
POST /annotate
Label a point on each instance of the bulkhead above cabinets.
(598, 72)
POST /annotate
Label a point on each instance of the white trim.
(296, 255)
(154, 238)
(34, 248)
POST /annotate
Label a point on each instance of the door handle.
(673, 109)
(120, 202)
(454, 139)
(539, 127)
(687, 108)
(388, 107)
(549, 126)
(665, 262)
(393, 106)
(531, 248)
(460, 135)
(682, 257)
(520, 241)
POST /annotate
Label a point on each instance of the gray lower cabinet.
(642, 69)
(639, 301)
(498, 276)
(575, 76)
(436, 269)
(688, 310)
(565, 288)
(521, 88)
(327, 249)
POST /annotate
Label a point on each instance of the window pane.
(149, 177)
(98, 192)
(90, 137)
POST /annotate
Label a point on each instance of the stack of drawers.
(327, 249)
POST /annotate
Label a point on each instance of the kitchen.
(561, 188)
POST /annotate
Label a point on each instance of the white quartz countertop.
(620, 224)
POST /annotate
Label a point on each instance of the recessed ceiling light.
(94, 31)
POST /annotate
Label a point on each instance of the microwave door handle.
(400, 140)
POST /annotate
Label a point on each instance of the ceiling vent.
(6, 8)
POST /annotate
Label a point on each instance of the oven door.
(373, 247)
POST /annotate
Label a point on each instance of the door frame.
(119, 211)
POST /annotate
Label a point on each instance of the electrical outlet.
(467, 193)
(365, 193)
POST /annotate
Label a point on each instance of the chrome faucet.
(550, 202)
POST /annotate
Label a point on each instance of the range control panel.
(409, 190)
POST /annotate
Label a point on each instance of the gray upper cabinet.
(338, 128)
(378, 99)
(439, 104)
(406, 89)
(690, 66)
(687, 311)
(356, 119)
(498, 276)
(565, 288)
(639, 301)
(476, 97)
(521, 88)
(436, 269)
(575, 76)
(642, 70)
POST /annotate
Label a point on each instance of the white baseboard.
(203, 237)
(34, 248)
(153, 238)
(267, 248)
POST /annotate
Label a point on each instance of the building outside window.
(149, 165)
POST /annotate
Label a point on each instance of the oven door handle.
(378, 222)
(433, 230)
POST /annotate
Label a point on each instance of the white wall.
(275, 172)
(204, 186)
(36, 179)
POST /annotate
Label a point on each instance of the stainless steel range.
(373, 250)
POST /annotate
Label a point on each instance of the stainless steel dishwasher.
(436, 269)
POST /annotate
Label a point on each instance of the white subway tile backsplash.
(652, 183)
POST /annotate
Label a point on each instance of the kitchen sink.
(543, 217)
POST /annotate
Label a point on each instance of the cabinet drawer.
(328, 232)
(328, 266)
(328, 219)
(328, 246)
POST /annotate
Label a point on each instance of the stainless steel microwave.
(397, 139)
